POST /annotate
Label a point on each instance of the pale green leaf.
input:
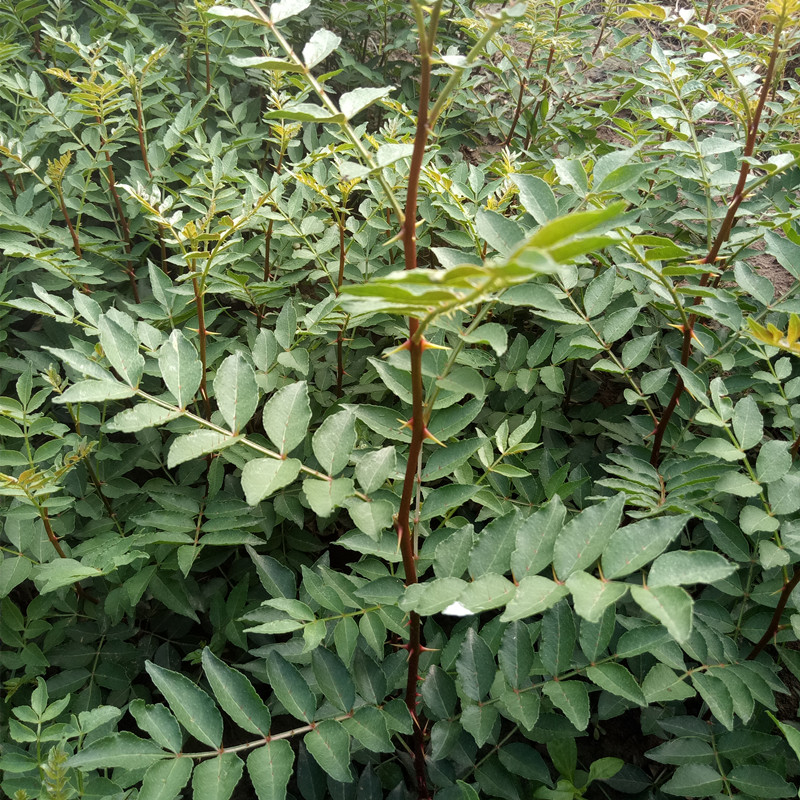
(286, 416)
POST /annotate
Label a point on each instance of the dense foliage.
(399, 400)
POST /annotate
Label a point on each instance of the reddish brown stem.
(523, 84)
(795, 447)
(201, 335)
(603, 26)
(543, 88)
(339, 281)
(76, 245)
(772, 629)
(709, 8)
(51, 535)
(722, 237)
(404, 531)
(11, 184)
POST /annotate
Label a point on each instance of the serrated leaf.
(357, 100)
(321, 44)
(373, 469)
(165, 779)
(124, 750)
(663, 685)
(633, 546)
(748, 424)
(475, 666)
(192, 707)
(582, 540)
(290, 687)
(180, 367)
(439, 693)
(329, 744)
(144, 415)
(334, 440)
(262, 477)
(283, 9)
(236, 695)
(670, 605)
(689, 566)
(516, 655)
(571, 697)
(333, 678)
(92, 391)
(270, 768)
(368, 727)
(121, 349)
(286, 416)
(196, 444)
(716, 696)
(618, 680)
(760, 781)
(534, 595)
(159, 722)
(216, 778)
(535, 538)
(236, 391)
(694, 780)
(591, 596)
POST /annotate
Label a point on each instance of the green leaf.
(373, 469)
(357, 100)
(495, 543)
(283, 9)
(333, 678)
(13, 571)
(633, 546)
(670, 605)
(537, 197)
(91, 391)
(557, 639)
(236, 391)
(144, 415)
(123, 750)
(716, 696)
(286, 416)
(682, 751)
(516, 655)
(521, 759)
(329, 744)
(270, 768)
(501, 233)
(475, 666)
(618, 680)
(62, 572)
(773, 461)
(197, 443)
(534, 595)
(604, 768)
(748, 424)
(759, 781)
(663, 685)
(159, 722)
(571, 697)
(228, 12)
(592, 596)
(583, 538)
(325, 496)
(180, 367)
(236, 695)
(321, 44)
(694, 780)
(689, 566)
(791, 733)
(334, 440)
(265, 62)
(290, 687)
(599, 292)
(371, 518)
(535, 538)
(165, 779)
(571, 173)
(479, 721)
(192, 707)
(443, 461)
(522, 707)
(121, 349)
(262, 477)
(216, 778)
(368, 726)
(439, 693)
(487, 592)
